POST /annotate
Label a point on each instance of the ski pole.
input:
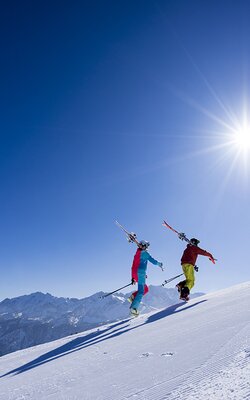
(117, 290)
(170, 279)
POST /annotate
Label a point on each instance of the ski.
(131, 236)
(182, 236)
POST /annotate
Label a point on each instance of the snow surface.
(38, 318)
(196, 350)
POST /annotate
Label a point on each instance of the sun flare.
(242, 138)
(231, 132)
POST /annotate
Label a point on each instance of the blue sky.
(129, 111)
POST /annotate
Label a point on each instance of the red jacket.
(191, 253)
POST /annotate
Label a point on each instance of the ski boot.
(184, 294)
(134, 312)
(178, 286)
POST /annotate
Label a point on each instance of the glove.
(160, 264)
(133, 281)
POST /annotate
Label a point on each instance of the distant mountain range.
(38, 318)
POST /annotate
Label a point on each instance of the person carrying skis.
(188, 261)
(138, 270)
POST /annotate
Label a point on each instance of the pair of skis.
(131, 236)
(182, 236)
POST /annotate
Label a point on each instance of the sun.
(242, 138)
(232, 133)
(226, 135)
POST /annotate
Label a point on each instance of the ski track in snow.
(210, 378)
(199, 351)
(230, 383)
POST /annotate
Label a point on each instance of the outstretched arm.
(206, 253)
(153, 260)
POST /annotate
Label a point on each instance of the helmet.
(194, 241)
(144, 244)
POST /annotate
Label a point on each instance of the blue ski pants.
(141, 288)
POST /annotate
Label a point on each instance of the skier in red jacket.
(188, 261)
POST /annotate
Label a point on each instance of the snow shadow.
(96, 337)
(170, 310)
(74, 345)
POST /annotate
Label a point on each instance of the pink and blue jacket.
(140, 261)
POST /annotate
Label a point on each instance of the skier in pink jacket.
(139, 268)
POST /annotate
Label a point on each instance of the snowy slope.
(37, 318)
(198, 350)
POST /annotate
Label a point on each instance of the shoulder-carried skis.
(182, 236)
(131, 236)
